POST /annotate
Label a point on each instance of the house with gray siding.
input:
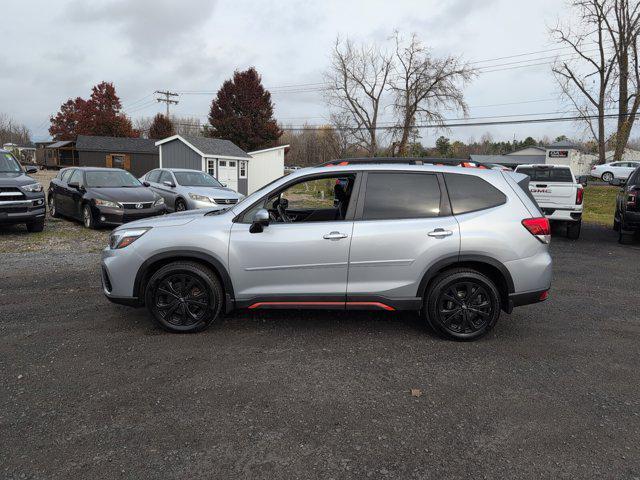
(136, 155)
(241, 171)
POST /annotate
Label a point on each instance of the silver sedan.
(184, 189)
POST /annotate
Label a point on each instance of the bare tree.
(425, 87)
(357, 80)
(586, 78)
(623, 27)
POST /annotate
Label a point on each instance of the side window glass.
(65, 175)
(76, 177)
(401, 195)
(165, 177)
(153, 176)
(469, 193)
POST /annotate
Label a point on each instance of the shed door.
(228, 173)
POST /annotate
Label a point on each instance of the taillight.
(538, 227)
(579, 196)
(632, 198)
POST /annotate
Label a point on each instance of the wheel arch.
(154, 263)
(492, 268)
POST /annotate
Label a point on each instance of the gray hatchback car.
(184, 189)
(458, 245)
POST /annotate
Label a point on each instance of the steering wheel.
(281, 205)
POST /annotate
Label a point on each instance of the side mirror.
(146, 184)
(74, 185)
(224, 185)
(31, 169)
(169, 184)
(260, 220)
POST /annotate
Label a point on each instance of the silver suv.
(456, 244)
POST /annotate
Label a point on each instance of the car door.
(165, 191)
(73, 197)
(58, 189)
(403, 226)
(296, 262)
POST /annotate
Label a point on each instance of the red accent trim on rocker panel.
(283, 304)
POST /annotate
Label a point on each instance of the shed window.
(232, 164)
(118, 161)
(243, 169)
(211, 167)
(223, 163)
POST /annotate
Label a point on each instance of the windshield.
(196, 179)
(8, 163)
(116, 178)
(548, 174)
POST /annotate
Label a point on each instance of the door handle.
(334, 236)
(440, 232)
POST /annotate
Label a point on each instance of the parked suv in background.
(184, 189)
(558, 194)
(626, 219)
(21, 197)
(456, 244)
(101, 196)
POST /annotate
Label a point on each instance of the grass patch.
(599, 204)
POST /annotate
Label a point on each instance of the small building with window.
(241, 171)
(136, 155)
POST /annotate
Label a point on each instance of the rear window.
(524, 185)
(401, 195)
(547, 174)
(469, 193)
(634, 178)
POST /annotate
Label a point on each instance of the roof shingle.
(216, 146)
(116, 144)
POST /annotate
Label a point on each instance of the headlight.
(159, 201)
(201, 198)
(32, 187)
(123, 238)
(107, 203)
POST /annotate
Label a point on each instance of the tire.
(184, 297)
(181, 205)
(573, 230)
(624, 238)
(451, 315)
(53, 211)
(87, 217)
(616, 222)
(36, 226)
(607, 177)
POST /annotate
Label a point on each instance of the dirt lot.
(94, 390)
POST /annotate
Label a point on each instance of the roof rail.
(456, 162)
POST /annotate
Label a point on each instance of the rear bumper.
(563, 214)
(526, 298)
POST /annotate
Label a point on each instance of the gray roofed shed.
(215, 147)
(116, 144)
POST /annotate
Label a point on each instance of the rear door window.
(547, 174)
(153, 176)
(401, 195)
(65, 175)
(469, 193)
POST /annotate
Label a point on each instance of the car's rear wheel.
(184, 297)
(616, 222)
(573, 230)
(181, 205)
(462, 304)
(53, 211)
(607, 177)
(624, 236)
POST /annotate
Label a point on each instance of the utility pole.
(167, 94)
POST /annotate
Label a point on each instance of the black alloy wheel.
(463, 304)
(181, 206)
(184, 297)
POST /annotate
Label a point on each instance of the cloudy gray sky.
(59, 49)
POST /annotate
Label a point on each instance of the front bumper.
(118, 272)
(119, 216)
(22, 211)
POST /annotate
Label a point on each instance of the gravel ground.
(94, 390)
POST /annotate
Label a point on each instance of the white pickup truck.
(558, 194)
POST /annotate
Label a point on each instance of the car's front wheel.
(35, 226)
(53, 211)
(181, 205)
(462, 304)
(87, 217)
(184, 297)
